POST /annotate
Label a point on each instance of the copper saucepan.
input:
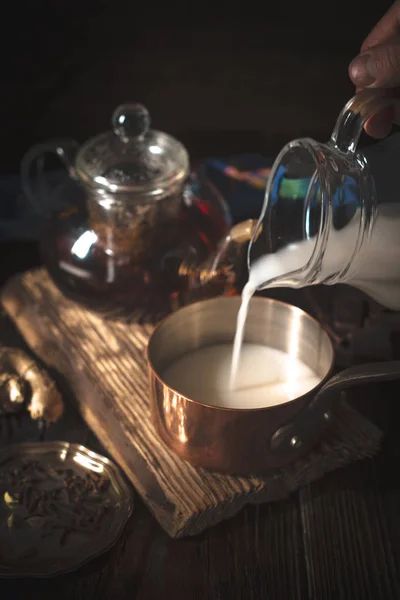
(248, 441)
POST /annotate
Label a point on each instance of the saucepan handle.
(318, 414)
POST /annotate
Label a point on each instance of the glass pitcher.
(130, 232)
(332, 213)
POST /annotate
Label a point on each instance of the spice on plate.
(53, 501)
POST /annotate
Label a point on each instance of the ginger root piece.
(23, 380)
(12, 393)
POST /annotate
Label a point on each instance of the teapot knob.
(130, 121)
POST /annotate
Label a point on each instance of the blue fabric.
(244, 199)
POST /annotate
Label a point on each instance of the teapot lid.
(133, 157)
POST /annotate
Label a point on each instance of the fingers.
(387, 28)
(380, 125)
(378, 67)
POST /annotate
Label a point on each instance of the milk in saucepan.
(265, 377)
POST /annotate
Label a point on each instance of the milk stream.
(265, 377)
(375, 270)
(247, 294)
(255, 376)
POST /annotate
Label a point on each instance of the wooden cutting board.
(105, 365)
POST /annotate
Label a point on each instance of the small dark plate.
(29, 550)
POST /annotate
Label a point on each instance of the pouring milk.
(374, 271)
(355, 199)
(255, 376)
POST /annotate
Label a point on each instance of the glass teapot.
(130, 232)
(332, 213)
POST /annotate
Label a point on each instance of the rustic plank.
(104, 362)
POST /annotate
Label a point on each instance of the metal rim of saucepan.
(311, 392)
(279, 433)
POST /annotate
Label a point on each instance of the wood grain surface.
(105, 364)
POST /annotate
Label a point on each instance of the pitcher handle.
(35, 158)
(317, 415)
(355, 114)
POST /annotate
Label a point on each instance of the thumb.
(379, 66)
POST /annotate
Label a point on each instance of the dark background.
(224, 77)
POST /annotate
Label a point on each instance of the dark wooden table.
(339, 538)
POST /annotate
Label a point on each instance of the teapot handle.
(318, 414)
(355, 114)
(35, 159)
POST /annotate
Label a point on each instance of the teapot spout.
(220, 273)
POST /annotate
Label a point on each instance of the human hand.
(378, 66)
